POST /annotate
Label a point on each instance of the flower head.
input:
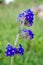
(26, 18)
(27, 34)
(10, 51)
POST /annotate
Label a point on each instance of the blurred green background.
(9, 27)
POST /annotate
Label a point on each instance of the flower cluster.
(10, 51)
(26, 18)
(27, 34)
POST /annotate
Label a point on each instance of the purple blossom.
(21, 17)
(9, 47)
(10, 51)
(20, 50)
(28, 11)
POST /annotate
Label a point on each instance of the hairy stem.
(21, 27)
(12, 58)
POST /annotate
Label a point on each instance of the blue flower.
(28, 11)
(22, 14)
(26, 17)
(10, 51)
(21, 17)
(29, 17)
(9, 47)
(27, 34)
(20, 50)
